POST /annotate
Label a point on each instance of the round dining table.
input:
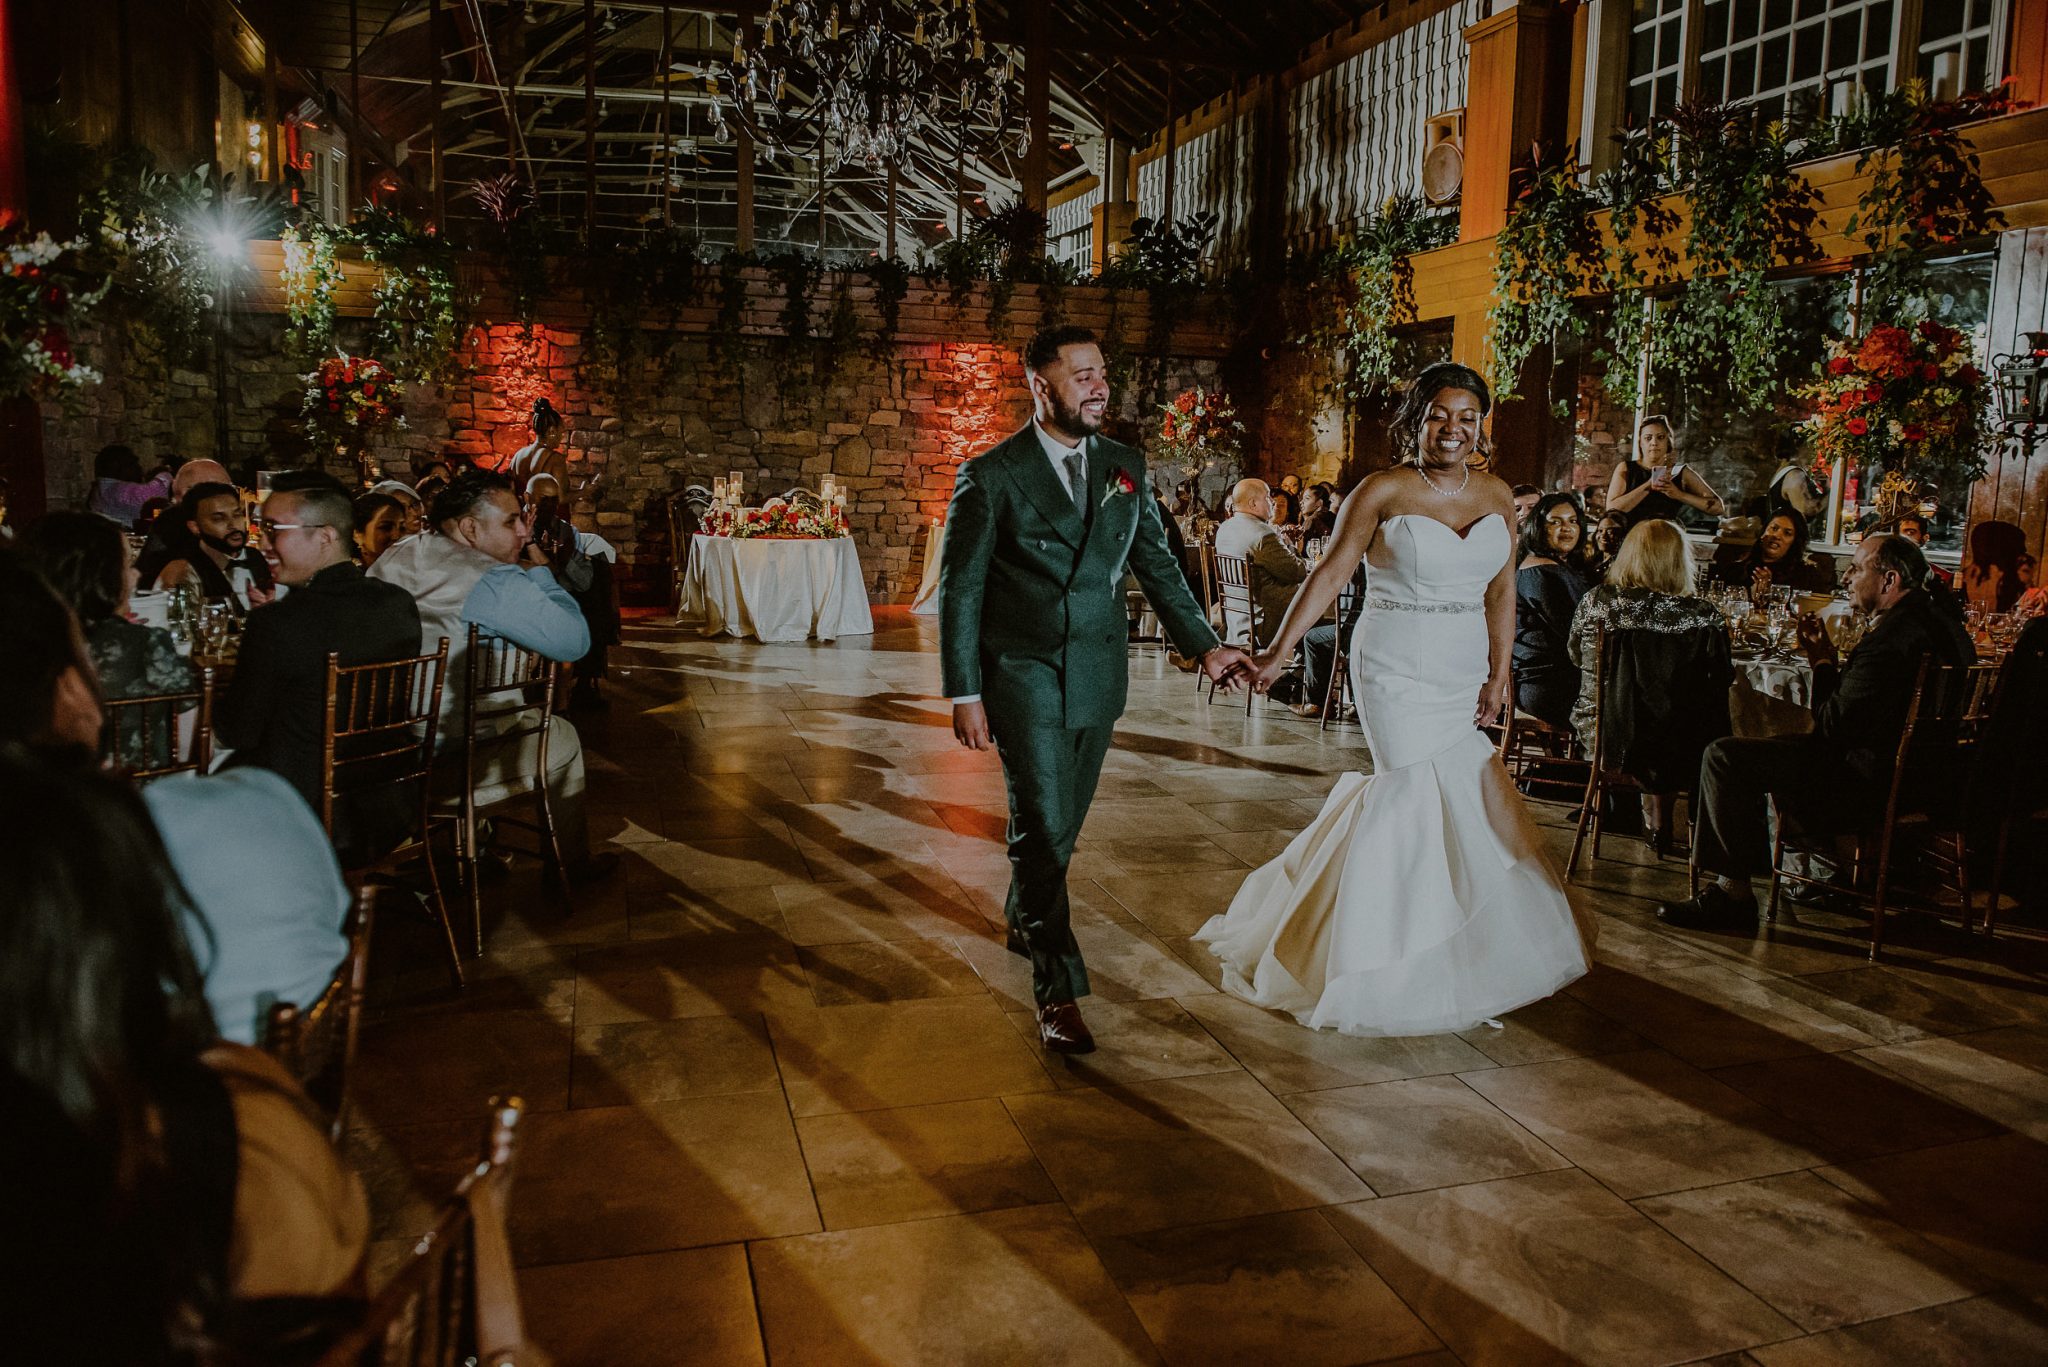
(777, 589)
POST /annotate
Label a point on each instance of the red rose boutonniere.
(1120, 482)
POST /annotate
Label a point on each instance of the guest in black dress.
(1779, 560)
(1654, 486)
(1549, 581)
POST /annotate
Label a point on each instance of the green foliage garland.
(1545, 254)
(416, 322)
(1370, 283)
(891, 281)
(310, 276)
(1639, 256)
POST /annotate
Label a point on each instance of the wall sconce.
(253, 133)
(2022, 388)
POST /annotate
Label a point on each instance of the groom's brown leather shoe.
(1061, 1029)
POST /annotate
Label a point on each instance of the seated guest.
(1668, 699)
(478, 567)
(1913, 527)
(267, 897)
(1991, 571)
(380, 522)
(1835, 778)
(1287, 502)
(1526, 497)
(1318, 511)
(1608, 534)
(159, 1174)
(48, 696)
(274, 712)
(1319, 650)
(167, 538)
(119, 488)
(1273, 570)
(1778, 560)
(408, 502)
(217, 559)
(85, 558)
(1548, 586)
(584, 567)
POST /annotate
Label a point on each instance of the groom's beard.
(1073, 422)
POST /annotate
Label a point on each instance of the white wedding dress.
(1418, 901)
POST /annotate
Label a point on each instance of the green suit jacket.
(1031, 609)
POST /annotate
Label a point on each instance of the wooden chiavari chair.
(1338, 691)
(456, 1299)
(378, 736)
(149, 726)
(1234, 591)
(508, 695)
(1924, 795)
(1526, 738)
(318, 1045)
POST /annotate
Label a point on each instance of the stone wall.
(891, 428)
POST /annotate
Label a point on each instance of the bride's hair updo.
(545, 421)
(1409, 418)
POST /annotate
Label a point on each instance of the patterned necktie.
(1077, 484)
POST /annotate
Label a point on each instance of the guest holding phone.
(1652, 486)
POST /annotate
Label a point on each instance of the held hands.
(1494, 701)
(1262, 670)
(1227, 668)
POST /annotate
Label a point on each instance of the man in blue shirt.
(478, 567)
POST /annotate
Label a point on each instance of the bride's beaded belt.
(1392, 605)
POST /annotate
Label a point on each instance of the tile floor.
(786, 1104)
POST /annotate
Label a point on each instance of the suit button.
(1109, 638)
(1041, 545)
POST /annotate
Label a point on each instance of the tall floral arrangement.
(1199, 429)
(348, 398)
(49, 287)
(786, 522)
(1904, 398)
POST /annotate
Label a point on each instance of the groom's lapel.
(1105, 456)
(1033, 474)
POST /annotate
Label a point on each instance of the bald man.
(169, 538)
(1275, 571)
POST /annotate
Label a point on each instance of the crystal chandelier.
(857, 80)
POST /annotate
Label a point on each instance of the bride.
(1418, 901)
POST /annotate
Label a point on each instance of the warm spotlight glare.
(226, 247)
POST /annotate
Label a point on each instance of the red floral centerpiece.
(1901, 398)
(47, 289)
(347, 399)
(780, 521)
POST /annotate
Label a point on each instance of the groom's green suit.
(1032, 618)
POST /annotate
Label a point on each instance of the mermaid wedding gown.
(1418, 901)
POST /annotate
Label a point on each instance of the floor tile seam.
(1324, 1213)
(936, 1217)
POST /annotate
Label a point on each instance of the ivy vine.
(1546, 253)
(311, 274)
(1368, 283)
(891, 281)
(417, 308)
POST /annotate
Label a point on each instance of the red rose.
(1930, 329)
(1873, 393)
(1913, 431)
(1929, 371)
(1968, 375)
(334, 405)
(1841, 365)
(54, 299)
(370, 391)
(1857, 427)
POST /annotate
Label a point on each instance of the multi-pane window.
(1656, 50)
(1968, 27)
(1784, 56)
(1780, 54)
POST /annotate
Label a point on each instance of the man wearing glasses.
(274, 709)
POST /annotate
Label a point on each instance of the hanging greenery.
(891, 281)
(1164, 258)
(1640, 256)
(311, 274)
(417, 308)
(1368, 283)
(1750, 210)
(728, 347)
(656, 280)
(1926, 190)
(1546, 254)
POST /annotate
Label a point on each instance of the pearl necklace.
(1447, 493)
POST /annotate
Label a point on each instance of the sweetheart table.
(777, 590)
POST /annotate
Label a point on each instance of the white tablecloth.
(926, 604)
(777, 590)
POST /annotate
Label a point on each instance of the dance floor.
(786, 1102)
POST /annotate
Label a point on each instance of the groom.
(1032, 632)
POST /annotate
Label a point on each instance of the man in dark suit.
(1829, 779)
(275, 709)
(1032, 637)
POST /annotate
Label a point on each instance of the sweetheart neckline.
(1465, 535)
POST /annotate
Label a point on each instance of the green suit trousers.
(1051, 772)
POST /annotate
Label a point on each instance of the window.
(1971, 28)
(1656, 49)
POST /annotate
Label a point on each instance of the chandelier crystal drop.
(856, 81)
